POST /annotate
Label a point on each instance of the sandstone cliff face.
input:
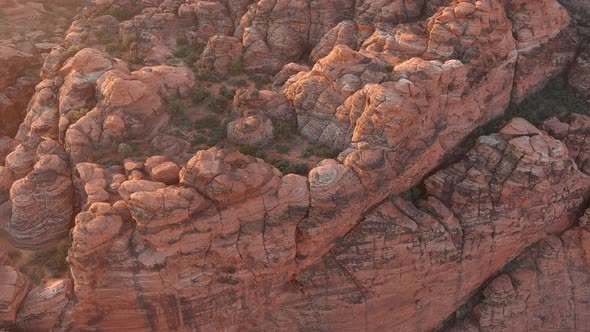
(216, 239)
(544, 289)
(408, 264)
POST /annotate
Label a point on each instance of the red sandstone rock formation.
(164, 239)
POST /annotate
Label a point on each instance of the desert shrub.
(240, 82)
(389, 68)
(71, 51)
(235, 68)
(199, 139)
(199, 48)
(199, 94)
(120, 14)
(259, 80)
(216, 135)
(184, 52)
(177, 133)
(128, 39)
(207, 122)
(554, 100)
(300, 168)
(179, 117)
(46, 262)
(325, 152)
(225, 93)
(74, 116)
(103, 35)
(283, 165)
(281, 148)
(181, 41)
(126, 151)
(214, 104)
(319, 151)
(247, 149)
(204, 74)
(283, 131)
(115, 49)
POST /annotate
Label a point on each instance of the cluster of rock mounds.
(219, 240)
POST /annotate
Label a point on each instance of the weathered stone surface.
(409, 265)
(42, 201)
(221, 52)
(211, 250)
(44, 305)
(573, 132)
(131, 107)
(13, 289)
(546, 42)
(554, 271)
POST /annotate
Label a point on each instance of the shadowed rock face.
(554, 271)
(163, 239)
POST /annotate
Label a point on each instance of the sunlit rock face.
(293, 165)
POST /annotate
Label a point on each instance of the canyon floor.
(295, 165)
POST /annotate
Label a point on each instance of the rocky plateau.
(276, 165)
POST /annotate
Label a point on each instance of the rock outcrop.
(129, 147)
(544, 289)
(425, 258)
(13, 289)
(43, 306)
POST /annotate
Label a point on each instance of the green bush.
(281, 148)
(225, 93)
(259, 80)
(199, 139)
(204, 74)
(247, 149)
(71, 51)
(183, 52)
(216, 135)
(207, 122)
(126, 151)
(120, 13)
(240, 82)
(199, 94)
(301, 168)
(199, 48)
(214, 104)
(103, 35)
(128, 39)
(74, 116)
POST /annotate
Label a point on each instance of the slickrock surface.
(13, 289)
(546, 289)
(408, 265)
(44, 305)
(292, 165)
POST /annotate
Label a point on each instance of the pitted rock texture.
(214, 242)
(211, 239)
(43, 306)
(41, 202)
(545, 289)
(13, 289)
(409, 264)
